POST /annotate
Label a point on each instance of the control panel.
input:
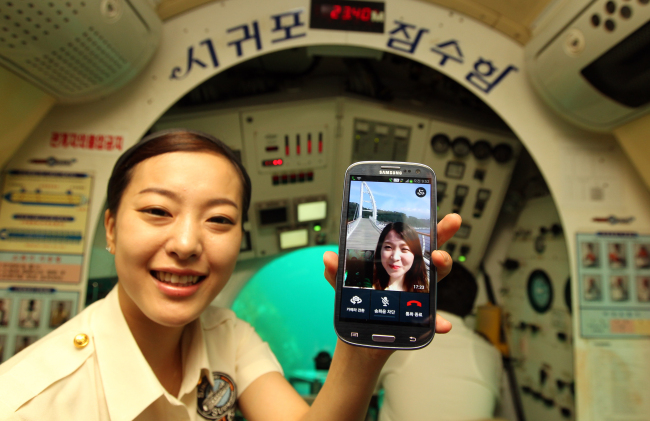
(297, 152)
(536, 297)
(473, 168)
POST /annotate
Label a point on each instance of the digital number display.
(362, 16)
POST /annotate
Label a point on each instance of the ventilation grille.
(73, 48)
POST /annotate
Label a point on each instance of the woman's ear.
(109, 226)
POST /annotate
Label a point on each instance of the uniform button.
(81, 340)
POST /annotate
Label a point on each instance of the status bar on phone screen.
(390, 179)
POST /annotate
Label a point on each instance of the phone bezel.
(422, 334)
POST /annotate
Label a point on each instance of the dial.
(461, 147)
(481, 149)
(502, 153)
(440, 143)
(540, 291)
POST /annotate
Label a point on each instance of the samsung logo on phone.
(390, 172)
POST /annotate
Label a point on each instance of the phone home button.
(383, 338)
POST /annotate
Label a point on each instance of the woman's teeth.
(172, 278)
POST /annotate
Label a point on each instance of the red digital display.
(351, 13)
(272, 162)
(361, 16)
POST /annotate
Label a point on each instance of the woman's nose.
(185, 240)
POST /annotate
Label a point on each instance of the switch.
(464, 250)
(276, 180)
(310, 176)
(479, 175)
(309, 143)
(285, 179)
(286, 145)
(440, 190)
(297, 144)
(481, 199)
(293, 178)
(301, 177)
(459, 198)
(451, 247)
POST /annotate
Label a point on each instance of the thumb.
(331, 261)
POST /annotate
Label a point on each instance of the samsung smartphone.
(386, 284)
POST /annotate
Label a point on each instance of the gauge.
(481, 149)
(455, 170)
(440, 143)
(540, 291)
(502, 153)
(461, 147)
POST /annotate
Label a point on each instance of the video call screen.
(387, 250)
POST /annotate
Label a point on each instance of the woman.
(153, 349)
(399, 265)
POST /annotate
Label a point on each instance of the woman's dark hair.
(417, 275)
(166, 141)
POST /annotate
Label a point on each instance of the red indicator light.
(272, 162)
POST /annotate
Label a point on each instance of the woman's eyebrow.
(170, 194)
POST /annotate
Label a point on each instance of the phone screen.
(387, 251)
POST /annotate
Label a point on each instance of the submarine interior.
(533, 115)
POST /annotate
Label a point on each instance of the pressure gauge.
(481, 149)
(440, 143)
(461, 147)
(540, 291)
(502, 153)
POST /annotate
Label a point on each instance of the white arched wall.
(570, 159)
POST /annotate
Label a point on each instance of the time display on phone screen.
(387, 251)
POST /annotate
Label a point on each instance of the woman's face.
(396, 256)
(176, 235)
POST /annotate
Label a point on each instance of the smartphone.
(386, 284)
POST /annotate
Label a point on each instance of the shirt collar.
(195, 358)
(130, 385)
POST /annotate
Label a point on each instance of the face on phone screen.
(387, 249)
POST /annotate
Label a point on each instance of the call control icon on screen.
(420, 192)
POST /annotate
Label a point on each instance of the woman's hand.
(440, 259)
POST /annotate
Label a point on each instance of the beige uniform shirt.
(457, 377)
(109, 378)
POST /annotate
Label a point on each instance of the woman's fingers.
(442, 325)
(442, 261)
(447, 227)
(331, 261)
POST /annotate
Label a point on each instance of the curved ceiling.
(514, 18)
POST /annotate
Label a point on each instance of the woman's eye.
(221, 220)
(156, 212)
